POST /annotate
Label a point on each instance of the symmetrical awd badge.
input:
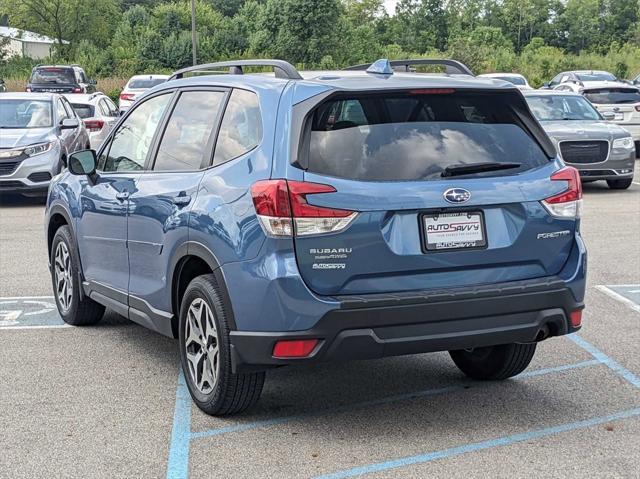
(457, 195)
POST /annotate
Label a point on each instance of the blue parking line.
(377, 402)
(606, 360)
(178, 465)
(479, 446)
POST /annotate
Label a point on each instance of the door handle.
(181, 200)
(123, 195)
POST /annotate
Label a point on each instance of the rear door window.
(416, 135)
(611, 96)
(241, 128)
(186, 143)
(83, 110)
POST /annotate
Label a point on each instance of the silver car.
(98, 113)
(600, 150)
(38, 131)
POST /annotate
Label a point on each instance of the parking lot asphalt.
(108, 400)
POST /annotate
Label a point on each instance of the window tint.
(516, 80)
(102, 106)
(83, 110)
(52, 75)
(596, 76)
(62, 112)
(144, 83)
(111, 107)
(415, 136)
(67, 106)
(241, 129)
(25, 113)
(186, 137)
(131, 142)
(557, 107)
(608, 96)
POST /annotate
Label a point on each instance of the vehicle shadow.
(19, 201)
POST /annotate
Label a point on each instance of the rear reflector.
(568, 203)
(93, 125)
(576, 318)
(127, 96)
(283, 209)
(297, 348)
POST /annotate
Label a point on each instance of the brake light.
(126, 96)
(432, 91)
(296, 348)
(567, 204)
(93, 125)
(77, 90)
(283, 209)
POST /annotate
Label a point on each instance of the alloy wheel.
(201, 345)
(63, 276)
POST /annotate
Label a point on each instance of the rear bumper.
(375, 326)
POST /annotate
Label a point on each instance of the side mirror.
(83, 162)
(609, 115)
(93, 82)
(69, 124)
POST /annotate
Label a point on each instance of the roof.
(150, 76)
(26, 36)
(26, 96)
(350, 80)
(549, 93)
(588, 85)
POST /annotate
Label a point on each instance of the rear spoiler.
(452, 67)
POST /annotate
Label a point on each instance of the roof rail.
(452, 66)
(281, 68)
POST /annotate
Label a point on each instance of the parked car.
(136, 86)
(600, 150)
(38, 133)
(518, 80)
(60, 79)
(98, 113)
(580, 77)
(616, 101)
(298, 218)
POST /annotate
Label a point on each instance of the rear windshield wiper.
(457, 170)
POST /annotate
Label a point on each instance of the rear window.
(53, 75)
(416, 135)
(608, 96)
(83, 110)
(516, 80)
(596, 76)
(145, 83)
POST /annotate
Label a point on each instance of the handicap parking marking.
(628, 294)
(25, 312)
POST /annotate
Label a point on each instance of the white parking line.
(619, 297)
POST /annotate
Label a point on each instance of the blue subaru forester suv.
(271, 219)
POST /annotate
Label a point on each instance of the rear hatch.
(447, 188)
(53, 80)
(623, 103)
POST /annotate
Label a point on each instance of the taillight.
(77, 90)
(126, 96)
(28, 89)
(283, 209)
(576, 318)
(93, 125)
(637, 107)
(294, 348)
(567, 204)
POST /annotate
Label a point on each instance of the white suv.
(137, 85)
(98, 113)
(616, 101)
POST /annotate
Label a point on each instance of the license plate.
(446, 231)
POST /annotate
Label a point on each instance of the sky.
(390, 5)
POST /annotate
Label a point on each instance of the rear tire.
(205, 353)
(74, 308)
(620, 184)
(494, 362)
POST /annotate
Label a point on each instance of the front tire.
(620, 184)
(205, 353)
(74, 308)
(494, 362)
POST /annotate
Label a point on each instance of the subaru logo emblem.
(456, 195)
